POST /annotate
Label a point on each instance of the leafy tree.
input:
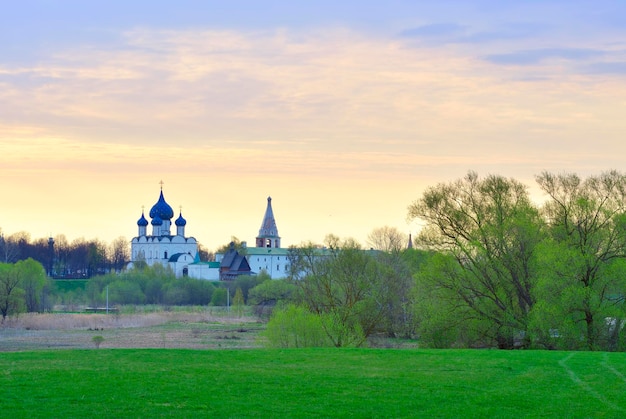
(491, 230)
(583, 271)
(234, 242)
(344, 289)
(11, 296)
(32, 281)
(268, 294)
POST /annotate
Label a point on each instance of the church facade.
(162, 245)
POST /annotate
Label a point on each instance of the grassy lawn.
(311, 382)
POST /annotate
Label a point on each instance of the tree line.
(493, 269)
(79, 258)
(61, 258)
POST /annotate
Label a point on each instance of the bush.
(295, 327)
(219, 297)
(97, 341)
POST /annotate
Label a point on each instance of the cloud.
(538, 56)
(607, 68)
(435, 30)
(475, 34)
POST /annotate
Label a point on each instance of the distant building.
(267, 256)
(180, 253)
(162, 246)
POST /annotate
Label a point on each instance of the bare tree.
(387, 239)
(119, 253)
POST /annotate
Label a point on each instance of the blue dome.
(142, 221)
(180, 221)
(156, 221)
(162, 209)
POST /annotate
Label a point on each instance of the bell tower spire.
(268, 233)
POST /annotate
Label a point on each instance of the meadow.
(318, 382)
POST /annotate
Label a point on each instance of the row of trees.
(79, 258)
(62, 258)
(158, 285)
(511, 272)
(494, 269)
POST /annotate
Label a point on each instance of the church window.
(278, 267)
(165, 255)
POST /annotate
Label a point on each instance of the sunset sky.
(342, 112)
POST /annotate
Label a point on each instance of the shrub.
(97, 341)
(295, 327)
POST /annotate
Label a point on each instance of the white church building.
(180, 253)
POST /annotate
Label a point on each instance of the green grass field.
(312, 383)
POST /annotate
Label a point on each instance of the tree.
(11, 296)
(9, 251)
(234, 242)
(97, 341)
(387, 239)
(32, 281)
(119, 253)
(583, 260)
(238, 302)
(343, 288)
(491, 230)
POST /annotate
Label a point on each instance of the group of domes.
(161, 211)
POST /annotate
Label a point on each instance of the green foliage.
(582, 263)
(149, 285)
(346, 289)
(219, 297)
(22, 287)
(295, 327)
(125, 292)
(490, 229)
(32, 281)
(11, 296)
(316, 382)
(238, 302)
(270, 292)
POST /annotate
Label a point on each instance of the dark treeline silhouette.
(61, 258)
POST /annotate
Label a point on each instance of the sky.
(343, 112)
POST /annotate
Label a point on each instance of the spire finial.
(161, 183)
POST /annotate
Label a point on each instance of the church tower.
(268, 233)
